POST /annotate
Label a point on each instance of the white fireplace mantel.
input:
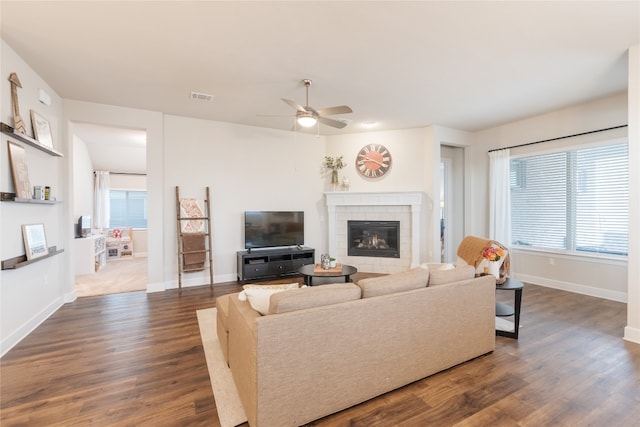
(414, 199)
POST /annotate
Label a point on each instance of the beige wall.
(596, 276)
(254, 168)
(632, 331)
(30, 294)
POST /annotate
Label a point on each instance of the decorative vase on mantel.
(334, 180)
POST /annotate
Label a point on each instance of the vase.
(325, 259)
(334, 180)
(494, 268)
(345, 183)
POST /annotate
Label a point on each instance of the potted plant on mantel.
(334, 164)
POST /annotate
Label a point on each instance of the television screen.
(84, 226)
(268, 229)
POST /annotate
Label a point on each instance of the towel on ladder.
(191, 208)
(194, 242)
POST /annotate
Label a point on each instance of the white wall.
(416, 167)
(128, 182)
(246, 168)
(30, 294)
(252, 168)
(632, 331)
(592, 276)
(82, 186)
(454, 207)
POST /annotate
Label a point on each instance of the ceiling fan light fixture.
(306, 120)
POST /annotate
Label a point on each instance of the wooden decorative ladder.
(207, 235)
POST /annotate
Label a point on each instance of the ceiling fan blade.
(275, 115)
(342, 109)
(294, 105)
(331, 122)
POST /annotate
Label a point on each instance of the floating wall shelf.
(11, 197)
(8, 130)
(21, 261)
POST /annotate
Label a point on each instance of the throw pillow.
(398, 282)
(259, 295)
(440, 277)
(314, 296)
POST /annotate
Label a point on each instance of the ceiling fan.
(308, 116)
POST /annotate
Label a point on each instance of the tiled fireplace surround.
(406, 207)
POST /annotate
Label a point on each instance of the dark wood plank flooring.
(136, 359)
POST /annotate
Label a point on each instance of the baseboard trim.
(30, 325)
(574, 287)
(631, 334)
(70, 296)
(187, 282)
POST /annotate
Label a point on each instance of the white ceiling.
(114, 149)
(464, 65)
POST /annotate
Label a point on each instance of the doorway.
(451, 201)
(113, 258)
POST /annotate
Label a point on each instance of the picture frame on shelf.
(35, 241)
(41, 129)
(19, 170)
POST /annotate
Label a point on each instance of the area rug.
(230, 409)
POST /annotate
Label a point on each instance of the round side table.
(504, 310)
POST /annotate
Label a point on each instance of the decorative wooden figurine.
(18, 124)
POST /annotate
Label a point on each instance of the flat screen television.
(266, 229)
(84, 226)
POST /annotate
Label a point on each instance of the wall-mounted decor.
(35, 241)
(18, 159)
(373, 161)
(334, 164)
(18, 123)
(41, 129)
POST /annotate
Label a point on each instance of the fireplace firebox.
(374, 238)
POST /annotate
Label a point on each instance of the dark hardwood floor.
(136, 359)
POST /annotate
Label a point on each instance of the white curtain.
(101, 200)
(500, 197)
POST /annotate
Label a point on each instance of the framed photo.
(35, 241)
(41, 129)
(19, 171)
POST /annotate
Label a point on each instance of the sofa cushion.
(440, 277)
(259, 295)
(398, 282)
(315, 296)
(438, 266)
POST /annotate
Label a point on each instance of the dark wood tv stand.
(256, 264)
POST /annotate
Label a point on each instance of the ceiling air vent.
(199, 96)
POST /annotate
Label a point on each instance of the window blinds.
(574, 200)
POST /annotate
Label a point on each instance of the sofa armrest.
(242, 353)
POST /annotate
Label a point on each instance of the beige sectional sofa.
(323, 349)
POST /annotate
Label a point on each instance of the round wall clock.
(373, 161)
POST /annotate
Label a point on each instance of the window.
(128, 209)
(575, 201)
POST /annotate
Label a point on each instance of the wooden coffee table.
(309, 272)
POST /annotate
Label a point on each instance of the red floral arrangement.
(491, 253)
